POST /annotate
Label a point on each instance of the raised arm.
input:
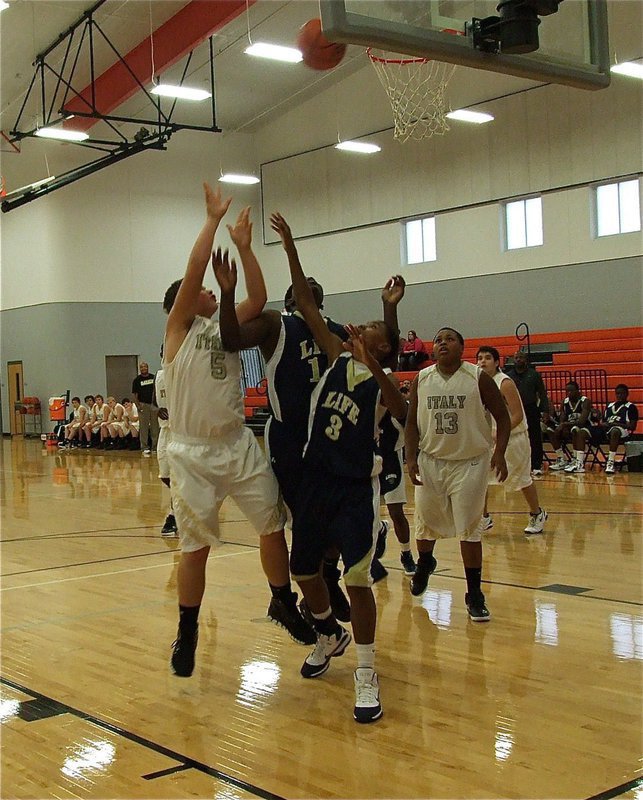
(494, 403)
(412, 435)
(184, 309)
(225, 272)
(391, 397)
(331, 344)
(241, 235)
(392, 293)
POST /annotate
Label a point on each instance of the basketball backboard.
(573, 41)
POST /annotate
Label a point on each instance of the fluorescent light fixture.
(62, 133)
(3, 5)
(180, 92)
(275, 52)
(358, 147)
(230, 177)
(464, 115)
(629, 68)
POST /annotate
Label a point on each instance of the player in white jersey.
(99, 414)
(448, 449)
(114, 425)
(130, 418)
(160, 398)
(518, 454)
(211, 453)
(74, 429)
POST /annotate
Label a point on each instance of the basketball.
(317, 51)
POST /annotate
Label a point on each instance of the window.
(618, 208)
(524, 223)
(419, 240)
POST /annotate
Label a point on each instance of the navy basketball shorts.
(392, 486)
(284, 450)
(335, 511)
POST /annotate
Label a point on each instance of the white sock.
(611, 457)
(365, 656)
(580, 456)
(559, 454)
(405, 547)
(324, 615)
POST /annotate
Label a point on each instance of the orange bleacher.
(618, 351)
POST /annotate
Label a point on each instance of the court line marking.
(115, 572)
(188, 763)
(615, 791)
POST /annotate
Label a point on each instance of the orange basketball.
(317, 51)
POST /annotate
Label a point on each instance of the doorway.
(120, 371)
(16, 383)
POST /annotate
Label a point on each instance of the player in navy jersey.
(575, 424)
(338, 500)
(619, 421)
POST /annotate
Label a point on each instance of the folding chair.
(593, 384)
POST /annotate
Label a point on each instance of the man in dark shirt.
(534, 399)
(143, 391)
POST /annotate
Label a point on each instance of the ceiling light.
(358, 147)
(274, 51)
(62, 133)
(3, 5)
(180, 92)
(464, 115)
(629, 68)
(230, 177)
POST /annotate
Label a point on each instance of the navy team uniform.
(339, 490)
(618, 415)
(573, 414)
(293, 372)
(392, 473)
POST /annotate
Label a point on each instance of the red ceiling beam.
(192, 25)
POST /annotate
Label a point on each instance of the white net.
(416, 89)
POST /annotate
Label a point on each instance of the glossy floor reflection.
(544, 701)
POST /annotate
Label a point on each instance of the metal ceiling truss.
(154, 131)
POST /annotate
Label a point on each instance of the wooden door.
(15, 380)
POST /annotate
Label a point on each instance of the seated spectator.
(413, 353)
(619, 421)
(74, 428)
(92, 428)
(405, 387)
(110, 426)
(130, 417)
(575, 425)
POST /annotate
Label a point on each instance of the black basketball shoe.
(287, 616)
(423, 572)
(183, 650)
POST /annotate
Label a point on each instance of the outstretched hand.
(215, 206)
(280, 226)
(393, 290)
(241, 233)
(357, 346)
(225, 271)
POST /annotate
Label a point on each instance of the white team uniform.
(518, 453)
(75, 423)
(211, 453)
(164, 425)
(130, 417)
(100, 415)
(455, 449)
(119, 424)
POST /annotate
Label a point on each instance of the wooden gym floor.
(544, 701)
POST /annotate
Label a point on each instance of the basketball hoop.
(416, 90)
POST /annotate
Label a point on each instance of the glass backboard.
(573, 41)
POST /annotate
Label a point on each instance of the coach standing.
(143, 391)
(534, 399)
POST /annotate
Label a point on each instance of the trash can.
(634, 456)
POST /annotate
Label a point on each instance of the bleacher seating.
(618, 351)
